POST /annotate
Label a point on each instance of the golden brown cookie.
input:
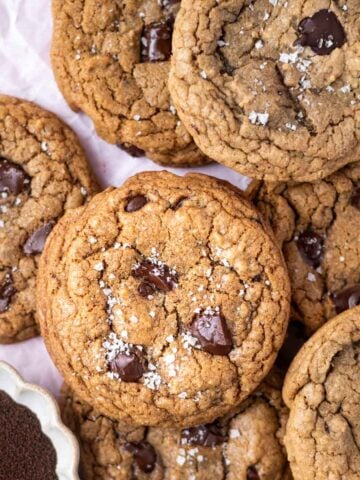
(322, 391)
(43, 173)
(111, 60)
(270, 88)
(317, 225)
(164, 302)
(247, 445)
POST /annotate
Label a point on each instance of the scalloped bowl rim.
(50, 420)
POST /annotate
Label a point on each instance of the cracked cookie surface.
(43, 173)
(166, 301)
(111, 60)
(246, 445)
(317, 224)
(322, 391)
(260, 94)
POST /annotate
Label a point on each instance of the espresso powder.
(25, 452)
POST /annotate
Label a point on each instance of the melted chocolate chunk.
(310, 245)
(203, 435)
(132, 150)
(146, 289)
(355, 199)
(322, 32)
(13, 179)
(178, 204)
(127, 366)
(252, 474)
(135, 203)
(295, 339)
(7, 290)
(36, 242)
(346, 298)
(155, 273)
(156, 42)
(144, 455)
(210, 328)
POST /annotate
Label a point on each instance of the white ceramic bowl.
(46, 409)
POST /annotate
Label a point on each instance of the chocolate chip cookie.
(246, 445)
(270, 88)
(322, 391)
(111, 60)
(164, 302)
(317, 225)
(43, 173)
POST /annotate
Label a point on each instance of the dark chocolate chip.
(355, 199)
(156, 42)
(347, 298)
(132, 150)
(157, 274)
(178, 204)
(127, 366)
(210, 328)
(7, 290)
(295, 338)
(203, 435)
(36, 242)
(135, 203)
(310, 245)
(13, 179)
(146, 289)
(322, 32)
(252, 474)
(144, 455)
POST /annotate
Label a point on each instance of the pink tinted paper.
(25, 33)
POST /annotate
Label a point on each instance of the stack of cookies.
(203, 333)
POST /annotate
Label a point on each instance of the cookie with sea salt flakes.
(43, 173)
(246, 445)
(322, 391)
(270, 88)
(164, 302)
(317, 224)
(111, 60)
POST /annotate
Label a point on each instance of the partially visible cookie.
(322, 391)
(317, 224)
(270, 88)
(43, 173)
(111, 60)
(164, 302)
(247, 445)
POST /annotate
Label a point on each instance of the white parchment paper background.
(25, 33)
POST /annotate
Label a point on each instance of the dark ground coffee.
(26, 453)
